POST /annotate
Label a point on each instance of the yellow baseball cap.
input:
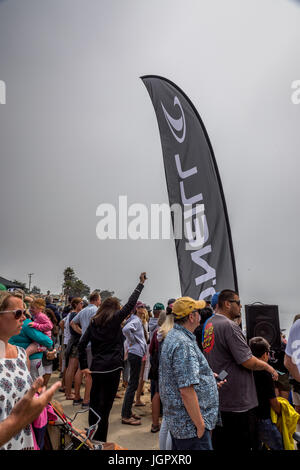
(186, 305)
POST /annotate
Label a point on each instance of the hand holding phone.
(221, 376)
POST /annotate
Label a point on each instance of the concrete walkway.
(131, 437)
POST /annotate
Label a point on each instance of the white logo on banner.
(195, 222)
(177, 125)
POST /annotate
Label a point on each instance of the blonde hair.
(162, 318)
(39, 303)
(5, 298)
(143, 315)
(166, 327)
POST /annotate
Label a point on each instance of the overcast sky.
(78, 129)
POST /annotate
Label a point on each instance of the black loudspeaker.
(263, 320)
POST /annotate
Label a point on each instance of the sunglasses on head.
(18, 313)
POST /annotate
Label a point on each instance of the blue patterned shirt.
(182, 364)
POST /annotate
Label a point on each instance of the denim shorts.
(268, 434)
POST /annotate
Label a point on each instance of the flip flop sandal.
(77, 402)
(140, 404)
(135, 416)
(131, 421)
(155, 428)
(71, 397)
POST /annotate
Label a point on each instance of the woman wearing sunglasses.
(24, 338)
(15, 379)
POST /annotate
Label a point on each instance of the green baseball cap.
(158, 306)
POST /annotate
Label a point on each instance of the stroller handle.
(84, 411)
(99, 419)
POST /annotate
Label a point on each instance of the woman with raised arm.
(105, 335)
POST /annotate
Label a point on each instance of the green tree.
(105, 294)
(72, 286)
(80, 289)
(22, 285)
(35, 290)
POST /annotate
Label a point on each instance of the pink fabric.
(46, 415)
(35, 446)
(43, 324)
(52, 416)
(41, 420)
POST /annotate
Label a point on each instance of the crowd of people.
(207, 383)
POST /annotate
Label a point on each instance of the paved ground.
(131, 437)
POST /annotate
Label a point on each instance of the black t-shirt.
(265, 390)
(73, 333)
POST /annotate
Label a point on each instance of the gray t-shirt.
(83, 318)
(225, 348)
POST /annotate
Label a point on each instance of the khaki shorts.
(74, 351)
(283, 383)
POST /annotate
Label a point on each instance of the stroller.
(62, 435)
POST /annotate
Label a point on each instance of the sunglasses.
(238, 302)
(18, 313)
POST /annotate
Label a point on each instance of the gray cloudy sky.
(78, 129)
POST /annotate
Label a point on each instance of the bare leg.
(88, 386)
(77, 384)
(60, 363)
(70, 373)
(155, 409)
(46, 378)
(63, 381)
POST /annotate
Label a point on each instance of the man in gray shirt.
(80, 324)
(226, 348)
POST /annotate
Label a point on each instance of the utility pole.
(29, 284)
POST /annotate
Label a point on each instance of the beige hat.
(186, 305)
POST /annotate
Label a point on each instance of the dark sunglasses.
(18, 313)
(238, 302)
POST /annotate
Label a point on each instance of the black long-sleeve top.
(107, 341)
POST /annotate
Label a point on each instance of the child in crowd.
(267, 431)
(40, 322)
